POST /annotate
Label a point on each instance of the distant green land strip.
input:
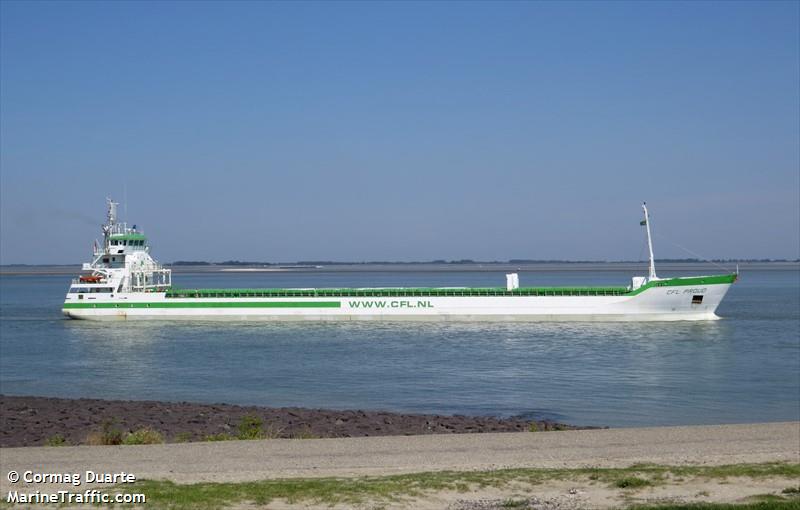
(397, 488)
(471, 261)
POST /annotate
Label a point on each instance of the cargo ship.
(124, 282)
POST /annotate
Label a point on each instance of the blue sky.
(401, 131)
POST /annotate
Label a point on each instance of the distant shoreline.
(399, 267)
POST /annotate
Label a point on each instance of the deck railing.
(399, 292)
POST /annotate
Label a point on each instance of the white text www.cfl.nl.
(92, 496)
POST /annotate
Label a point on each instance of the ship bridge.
(124, 260)
(127, 242)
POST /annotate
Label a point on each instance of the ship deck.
(446, 291)
(400, 292)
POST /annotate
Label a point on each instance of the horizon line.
(187, 263)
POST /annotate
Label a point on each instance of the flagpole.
(652, 275)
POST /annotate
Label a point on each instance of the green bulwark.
(447, 292)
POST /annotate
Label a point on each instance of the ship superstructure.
(124, 282)
(121, 265)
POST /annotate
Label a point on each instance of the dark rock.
(31, 421)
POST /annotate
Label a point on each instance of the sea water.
(743, 368)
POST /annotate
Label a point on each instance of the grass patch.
(222, 436)
(777, 505)
(767, 498)
(251, 427)
(632, 482)
(56, 440)
(726, 471)
(145, 435)
(183, 437)
(514, 503)
(356, 491)
(107, 435)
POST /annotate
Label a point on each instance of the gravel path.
(277, 458)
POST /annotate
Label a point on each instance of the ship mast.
(112, 211)
(646, 223)
(111, 223)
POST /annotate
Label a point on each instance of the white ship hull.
(126, 283)
(677, 299)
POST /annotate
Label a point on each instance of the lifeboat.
(91, 279)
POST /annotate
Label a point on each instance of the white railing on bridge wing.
(122, 228)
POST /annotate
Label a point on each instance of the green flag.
(643, 222)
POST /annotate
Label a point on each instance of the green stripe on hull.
(209, 304)
(454, 292)
(466, 292)
(685, 282)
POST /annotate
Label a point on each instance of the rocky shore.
(38, 421)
